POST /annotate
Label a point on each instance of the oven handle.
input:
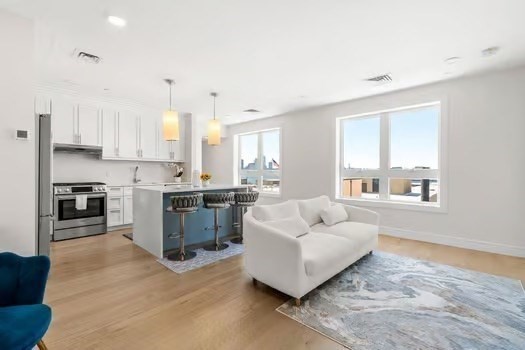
(73, 196)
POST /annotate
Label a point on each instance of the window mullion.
(384, 156)
(260, 159)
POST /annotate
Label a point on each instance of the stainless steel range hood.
(72, 148)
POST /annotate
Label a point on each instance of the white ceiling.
(272, 55)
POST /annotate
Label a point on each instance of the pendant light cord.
(170, 95)
(214, 97)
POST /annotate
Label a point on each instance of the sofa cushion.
(311, 209)
(334, 214)
(321, 252)
(294, 226)
(357, 232)
(275, 211)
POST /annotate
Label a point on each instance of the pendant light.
(170, 120)
(214, 127)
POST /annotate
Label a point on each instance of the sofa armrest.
(358, 214)
(271, 256)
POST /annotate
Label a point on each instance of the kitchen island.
(152, 223)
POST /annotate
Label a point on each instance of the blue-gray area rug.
(203, 258)
(386, 301)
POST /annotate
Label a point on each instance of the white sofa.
(296, 265)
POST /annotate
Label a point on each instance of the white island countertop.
(171, 188)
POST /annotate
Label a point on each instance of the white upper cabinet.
(147, 138)
(127, 126)
(109, 133)
(130, 134)
(89, 125)
(73, 122)
(163, 146)
(63, 120)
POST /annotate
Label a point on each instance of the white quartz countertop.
(188, 188)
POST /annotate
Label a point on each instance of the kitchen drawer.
(128, 191)
(115, 217)
(115, 191)
(114, 203)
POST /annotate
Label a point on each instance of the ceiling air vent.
(86, 57)
(385, 78)
(251, 110)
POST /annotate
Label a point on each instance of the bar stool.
(217, 201)
(243, 200)
(182, 205)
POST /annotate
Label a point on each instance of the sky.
(270, 147)
(413, 139)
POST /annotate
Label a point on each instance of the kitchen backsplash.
(74, 167)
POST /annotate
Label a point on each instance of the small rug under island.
(203, 258)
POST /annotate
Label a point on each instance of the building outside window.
(391, 156)
(259, 160)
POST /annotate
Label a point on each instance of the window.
(260, 160)
(391, 156)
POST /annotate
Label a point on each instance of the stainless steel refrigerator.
(44, 185)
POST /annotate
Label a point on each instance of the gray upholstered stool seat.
(243, 200)
(217, 201)
(182, 205)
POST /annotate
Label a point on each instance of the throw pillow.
(311, 209)
(334, 215)
(275, 211)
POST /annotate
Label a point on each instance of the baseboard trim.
(454, 241)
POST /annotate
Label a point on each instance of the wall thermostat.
(24, 135)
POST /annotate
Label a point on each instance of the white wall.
(69, 167)
(486, 157)
(17, 158)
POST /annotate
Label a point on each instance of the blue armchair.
(23, 318)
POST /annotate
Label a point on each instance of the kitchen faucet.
(136, 178)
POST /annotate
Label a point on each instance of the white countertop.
(174, 188)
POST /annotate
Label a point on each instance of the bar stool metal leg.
(218, 245)
(239, 240)
(182, 254)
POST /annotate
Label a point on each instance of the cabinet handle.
(80, 138)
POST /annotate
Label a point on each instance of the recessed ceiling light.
(117, 21)
(490, 51)
(452, 60)
(251, 110)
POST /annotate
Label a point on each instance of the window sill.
(429, 208)
(269, 194)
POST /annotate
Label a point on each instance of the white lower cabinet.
(128, 210)
(115, 217)
(120, 206)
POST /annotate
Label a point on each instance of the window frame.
(384, 173)
(261, 172)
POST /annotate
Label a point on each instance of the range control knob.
(59, 190)
(68, 190)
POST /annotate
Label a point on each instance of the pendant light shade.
(170, 121)
(214, 132)
(214, 127)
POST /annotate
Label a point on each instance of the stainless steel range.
(79, 210)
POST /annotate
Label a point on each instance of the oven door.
(67, 216)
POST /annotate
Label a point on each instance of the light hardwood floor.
(106, 293)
